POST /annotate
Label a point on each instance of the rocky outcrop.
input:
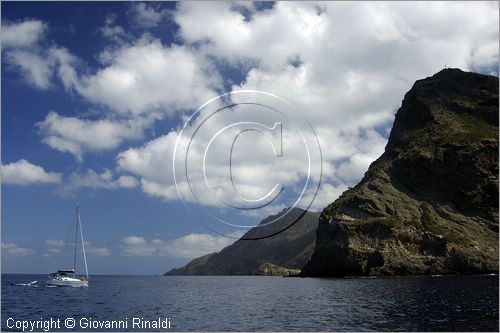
(429, 204)
(285, 252)
(269, 269)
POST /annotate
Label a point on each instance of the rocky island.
(429, 204)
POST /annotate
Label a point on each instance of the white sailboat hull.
(67, 282)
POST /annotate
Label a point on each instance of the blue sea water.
(257, 303)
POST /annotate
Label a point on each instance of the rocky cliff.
(282, 254)
(429, 204)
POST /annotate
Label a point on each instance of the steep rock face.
(429, 204)
(289, 250)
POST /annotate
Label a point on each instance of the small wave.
(31, 284)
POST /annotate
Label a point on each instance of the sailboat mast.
(76, 236)
(83, 245)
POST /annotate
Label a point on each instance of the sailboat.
(68, 277)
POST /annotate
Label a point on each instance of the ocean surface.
(257, 303)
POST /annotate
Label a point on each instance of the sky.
(97, 96)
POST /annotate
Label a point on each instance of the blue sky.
(94, 96)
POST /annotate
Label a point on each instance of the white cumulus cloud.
(92, 179)
(147, 15)
(35, 69)
(23, 172)
(146, 76)
(14, 250)
(22, 34)
(96, 251)
(23, 53)
(189, 246)
(74, 135)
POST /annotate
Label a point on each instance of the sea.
(252, 303)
